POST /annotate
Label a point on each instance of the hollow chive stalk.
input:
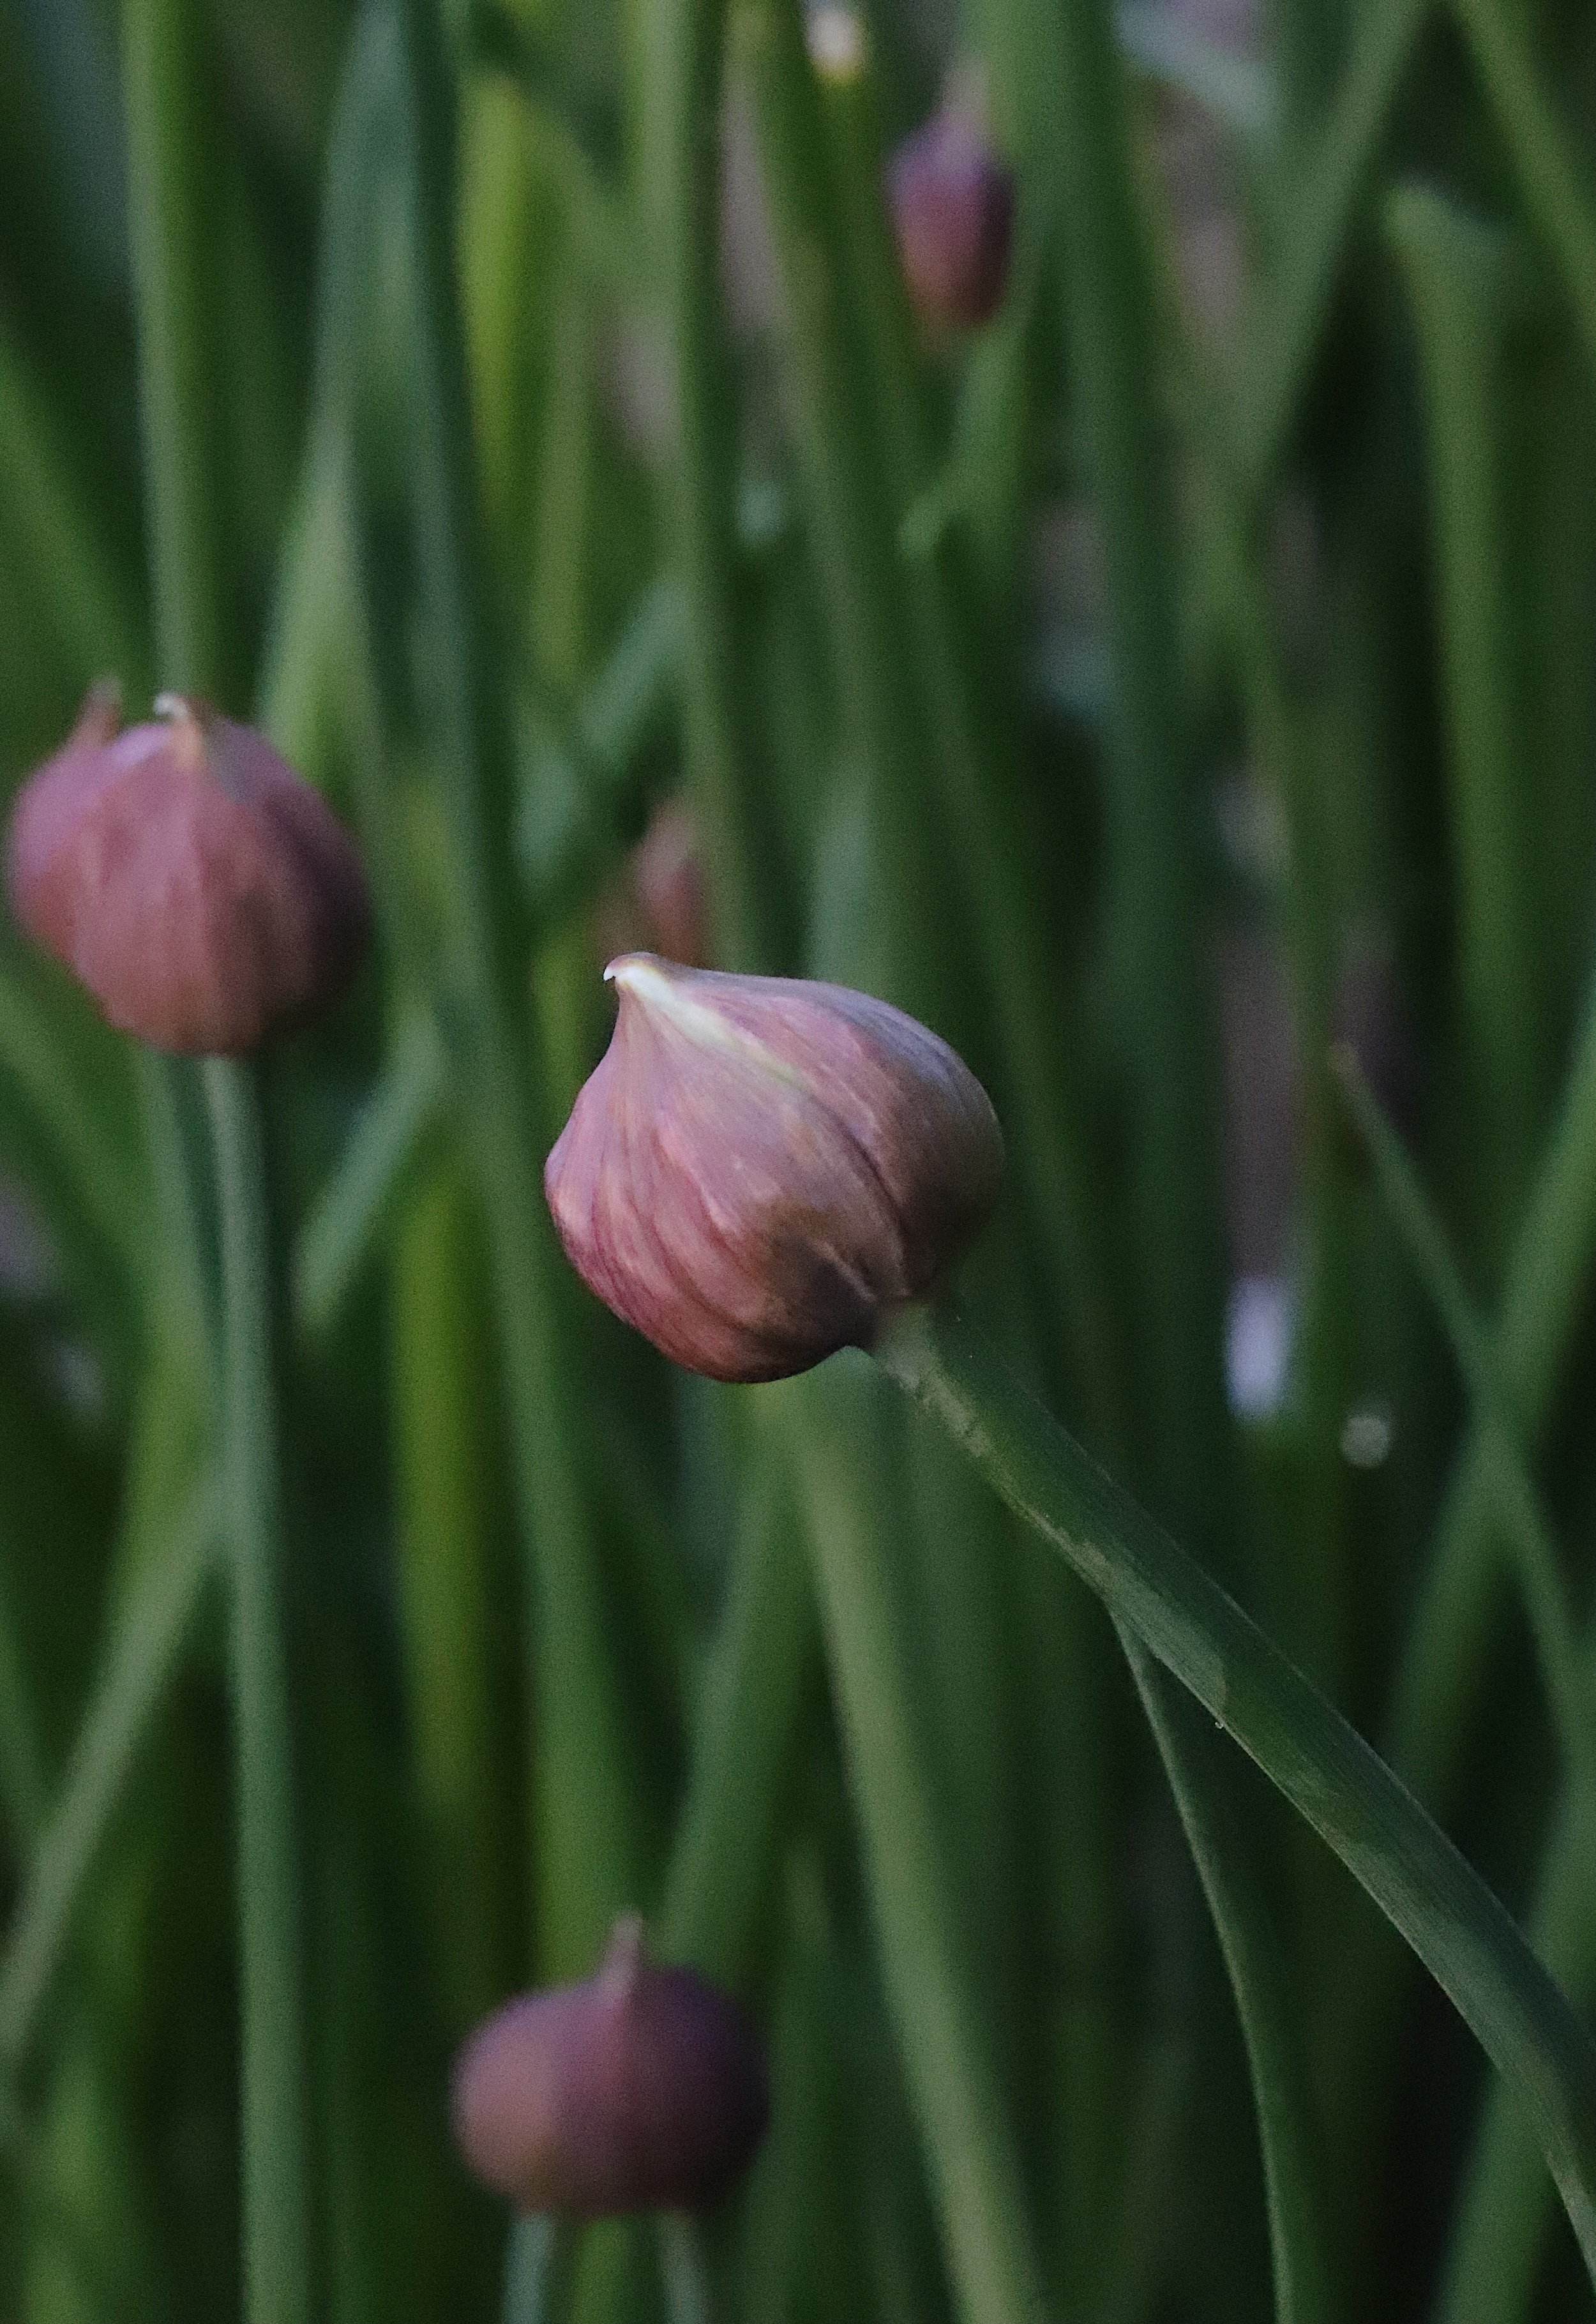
(686, 56)
(588, 1842)
(1319, 1763)
(277, 2262)
(834, 1445)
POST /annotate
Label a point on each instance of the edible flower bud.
(761, 1171)
(205, 895)
(953, 210)
(643, 2089)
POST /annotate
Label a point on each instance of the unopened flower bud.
(761, 1171)
(668, 873)
(953, 210)
(204, 894)
(643, 2089)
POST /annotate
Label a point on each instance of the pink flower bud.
(204, 894)
(668, 873)
(643, 2089)
(952, 208)
(762, 1171)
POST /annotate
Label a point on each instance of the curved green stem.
(1322, 1766)
(277, 2266)
(1222, 1849)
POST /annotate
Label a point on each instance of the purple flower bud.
(643, 2089)
(183, 873)
(762, 1171)
(952, 208)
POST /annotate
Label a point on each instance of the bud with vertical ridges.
(641, 2088)
(953, 211)
(763, 1170)
(204, 894)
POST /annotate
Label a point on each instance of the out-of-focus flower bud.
(644, 2088)
(762, 1171)
(668, 873)
(205, 895)
(953, 210)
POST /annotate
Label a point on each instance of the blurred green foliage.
(515, 408)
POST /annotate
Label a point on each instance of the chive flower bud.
(204, 894)
(953, 211)
(760, 1170)
(641, 2088)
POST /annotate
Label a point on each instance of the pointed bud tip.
(763, 1170)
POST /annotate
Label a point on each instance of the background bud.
(762, 1171)
(643, 2089)
(184, 873)
(953, 210)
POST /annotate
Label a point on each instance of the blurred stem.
(1541, 1305)
(1461, 280)
(1504, 2211)
(1157, 907)
(724, 1866)
(1289, 316)
(443, 1390)
(394, 1131)
(684, 2267)
(23, 1794)
(750, 911)
(1547, 162)
(1309, 1752)
(587, 1852)
(941, 2024)
(853, 525)
(174, 213)
(1214, 1815)
(141, 1656)
(56, 537)
(277, 2260)
(1518, 1509)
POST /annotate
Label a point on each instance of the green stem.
(1289, 320)
(1519, 1508)
(1309, 1752)
(1550, 175)
(588, 1847)
(940, 2022)
(750, 910)
(1461, 282)
(725, 1863)
(1505, 2207)
(142, 1656)
(1157, 907)
(1213, 1816)
(1541, 1306)
(852, 520)
(173, 212)
(277, 2263)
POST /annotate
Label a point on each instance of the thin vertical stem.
(277, 2263)
(173, 212)
(1157, 918)
(588, 1843)
(749, 907)
(940, 2024)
